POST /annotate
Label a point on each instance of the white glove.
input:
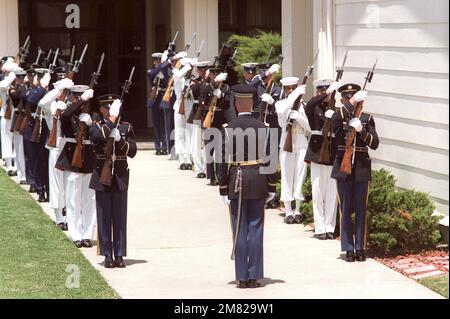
(87, 95)
(115, 108)
(226, 201)
(294, 115)
(186, 61)
(35, 81)
(45, 81)
(180, 55)
(11, 76)
(329, 114)
(115, 134)
(274, 69)
(165, 56)
(271, 196)
(300, 90)
(60, 105)
(333, 87)
(9, 66)
(222, 77)
(356, 124)
(267, 98)
(86, 118)
(217, 93)
(360, 96)
(64, 84)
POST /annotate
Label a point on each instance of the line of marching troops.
(202, 88)
(45, 121)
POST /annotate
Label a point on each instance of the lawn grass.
(438, 284)
(35, 254)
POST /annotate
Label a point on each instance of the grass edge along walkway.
(438, 284)
(37, 260)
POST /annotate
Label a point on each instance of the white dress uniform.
(182, 130)
(56, 177)
(293, 166)
(6, 135)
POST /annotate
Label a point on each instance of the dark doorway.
(111, 26)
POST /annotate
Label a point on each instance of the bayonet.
(172, 44)
(216, 59)
(270, 54)
(53, 65)
(127, 85)
(199, 51)
(76, 67)
(49, 54)
(189, 44)
(39, 55)
(311, 67)
(340, 70)
(72, 54)
(370, 75)
(96, 75)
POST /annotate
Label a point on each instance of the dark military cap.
(264, 66)
(106, 100)
(31, 71)
(250, 67)
(214, 69)
(348, 90)
(244, 91)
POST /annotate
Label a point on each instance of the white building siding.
(409, 94)
(9, 27)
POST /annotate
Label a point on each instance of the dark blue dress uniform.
(353, 189)
(160, 115)
(36, 155)
(112, 200)
(255, 190)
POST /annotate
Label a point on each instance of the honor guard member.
(293, 166)
(245, 187)
(80, 199)
(112, 200)
(15, 93)
(210, 89)
(50, 104)
(183, 130)
(195, 119)
(353, 189)
(6, 111)
(158, 79)
(38, 156)
(324, 192)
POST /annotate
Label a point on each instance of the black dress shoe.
(164, 152)
(212, 183)
(330, 236)
(298, 219)
(78, 243)
(189, 167)
(158, 153)
(242, 284)
(183, 167)
(41, 199)
(109, 263)
(61, 226)
(323, 237)
(23, 183)
(350, 257)
(361, 256)
(253, 283)
(289, 220)
(10, 173)
(273, 204)
(87, 243)
(119, 262)
(32, 189)
(66, 227)
(64, 212)
(201, 175)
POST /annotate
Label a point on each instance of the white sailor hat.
(289, 81)
(157, 55)
(79, 89)
(20, 72)
(202, 64)
(41, 71)
(250, 67)
(323, 83)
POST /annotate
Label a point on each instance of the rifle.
(288, 145)
(108, 166)
(39, 56)
(168, 93)
(70, 74)
(20, 111)
(55, 60)
(46, 61)
(207, 123)
(23, 51)
(325, 151)
(347, 161)
(188, 84)
(77, 159)
(264, 107)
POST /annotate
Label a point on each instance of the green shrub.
(256, 49)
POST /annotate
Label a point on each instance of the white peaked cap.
(323, 82)
(289, 81)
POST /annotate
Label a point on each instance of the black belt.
(114, 158)
(356, 149)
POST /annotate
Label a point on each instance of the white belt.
(320, 133)
(72, 140)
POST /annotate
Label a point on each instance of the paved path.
(179, 244)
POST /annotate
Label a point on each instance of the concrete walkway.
(179, 245)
